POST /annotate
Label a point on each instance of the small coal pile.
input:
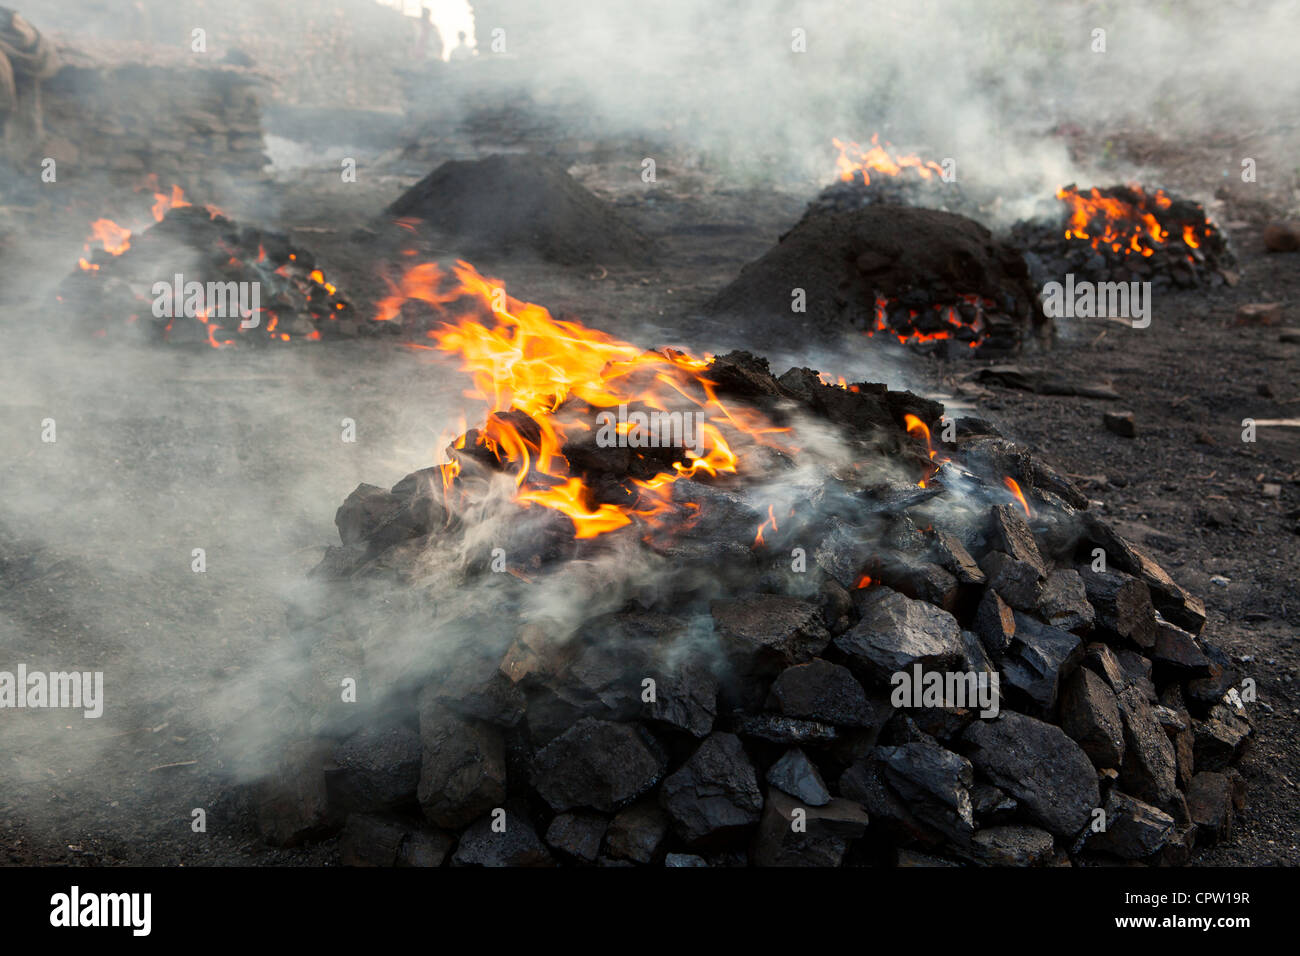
(934, 653)
(1124, 234)
(930, 279)
(507, 204)
(875, 176)
(192, 276)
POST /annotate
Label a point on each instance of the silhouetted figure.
(428, 44)
(462, 50)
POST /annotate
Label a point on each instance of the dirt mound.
(928, 277)
(507, 204)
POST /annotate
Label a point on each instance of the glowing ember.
(1123, 224)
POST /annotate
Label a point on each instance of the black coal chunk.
(715, 792)
(597, 764)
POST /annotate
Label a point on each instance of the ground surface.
(163, 451)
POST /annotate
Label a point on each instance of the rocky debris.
(1123, 605)
(578, 833)
(597, 764)
(501, 840)
(463, 770)
(1134, 830)
(1019, 583)
(369, 840)
(1064, 602)
(636, 833)
(935, 783)
(1012, 845)
(1258, 313)
(1220, 738)
(764, 633)
(1210, 803)
(1282, 236)
(1090, 715)
(292, 804)
(822, 691)
(791, 834)
(797, 776)
(1035, 762)
(1150, 768)
(716, 790)
(1123, 424)
(896, 632)
(375, 770)
(1038, 655)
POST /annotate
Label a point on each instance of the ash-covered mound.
(1125, 234)
(935, 653)
(506, 204)
(197, 277)
(926, 277)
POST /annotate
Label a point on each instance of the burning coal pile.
(875, 175)
(196, 277)
(1125, 234)
(512, 204)
(928, 279)
(809, 633)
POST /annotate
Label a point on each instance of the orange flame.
(855, 160)
(1020, 496)
(524, 362)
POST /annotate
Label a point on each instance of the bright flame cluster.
(856, 160)
(1105, 221)
(525, 362)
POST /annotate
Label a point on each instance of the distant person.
(428, 44)
(462, 51)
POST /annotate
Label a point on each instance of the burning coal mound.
(876, 176)
(1124, 234)
(708, 684)
(927, 278)
(508, 204)
(118, 287)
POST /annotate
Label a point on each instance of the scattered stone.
(820, 690)
(1282, 236)
(1220, 738)
(796, 775)
(1258, 313)
(1209, 801)
(1150, 768)
(1019, 583)
(375, 770)
(825, 837)
(1134, 830)
(1064, 602)
(1090, 715)
(519, 845)
(1035, 762)
(578, 834)
(935, 783)
(995, 622)
(463, 769)
(714, 792)
(1013, 845)
(896, 632)
(765, 633)
(1120, 423)
(597, 764)
(636, 833)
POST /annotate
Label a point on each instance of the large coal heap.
(745, 708)
(923, 276)
(510, 204)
